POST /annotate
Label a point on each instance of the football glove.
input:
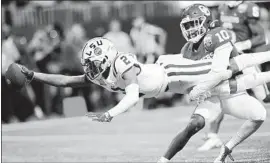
(28, 73)
(100, 117)
(199, 98)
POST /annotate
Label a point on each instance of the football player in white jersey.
(115, 71)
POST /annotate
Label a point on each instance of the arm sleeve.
(130, 99)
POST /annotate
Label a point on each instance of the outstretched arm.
(132, 94)
(55, 79)
(61, 80)
(129, 100)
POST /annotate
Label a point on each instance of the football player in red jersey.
(242, 21)
(207, 41)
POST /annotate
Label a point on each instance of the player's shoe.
(211, 143)
(224, 152)
(163, 160)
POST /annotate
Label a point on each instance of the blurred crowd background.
(47, 36)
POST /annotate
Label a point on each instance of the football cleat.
(211, 143)
(224, 152)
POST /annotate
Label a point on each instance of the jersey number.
(255, 11)
(222, 35)
(125, 60)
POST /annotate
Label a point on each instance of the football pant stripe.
(188, 73)
(114, 67)
(188, 66)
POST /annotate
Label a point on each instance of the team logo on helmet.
(97, 51)
(205, 10)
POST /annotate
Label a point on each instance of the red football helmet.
(196, 21)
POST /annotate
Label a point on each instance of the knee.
(259, 112)
(196, 124)
(261, 115)
(218, 119)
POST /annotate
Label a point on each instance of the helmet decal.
(97, 51)
(204, 10)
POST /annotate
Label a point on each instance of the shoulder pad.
(215, 38)
(123, 63)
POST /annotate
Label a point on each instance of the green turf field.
(136, 136)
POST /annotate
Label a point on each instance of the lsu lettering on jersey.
(151, 77)
(236, 19)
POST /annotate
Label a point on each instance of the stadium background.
(47, 36)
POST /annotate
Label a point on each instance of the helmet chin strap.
(105, 73)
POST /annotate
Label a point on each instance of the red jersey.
(236, 19)
(213, 39)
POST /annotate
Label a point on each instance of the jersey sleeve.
(253, 11)
(123, 63)
(216, 38)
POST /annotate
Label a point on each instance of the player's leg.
(236, 64)
(241, 83)
(196, 123)
(260, 91)
(255, 114)
(243, 61)
(212, 139)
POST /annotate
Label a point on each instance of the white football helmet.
(97, 55)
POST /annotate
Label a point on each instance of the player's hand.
(28, 73)
(199, 98)
(100, 117)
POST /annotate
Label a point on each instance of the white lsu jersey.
(151, 78)
(171, 72)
